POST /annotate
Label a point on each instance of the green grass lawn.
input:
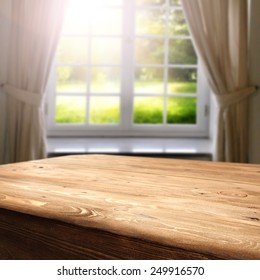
(179, 110)
(70, 109)
(147, 110)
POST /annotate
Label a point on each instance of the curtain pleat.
(36, 25)
(219, 31)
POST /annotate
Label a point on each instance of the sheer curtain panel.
(35, 29)
(219, 30)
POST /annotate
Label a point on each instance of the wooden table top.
(204, 207)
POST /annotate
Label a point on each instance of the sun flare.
(97, 16)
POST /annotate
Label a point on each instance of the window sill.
(192, 148)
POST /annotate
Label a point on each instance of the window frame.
(126, 127)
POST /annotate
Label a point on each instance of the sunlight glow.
(95, 16)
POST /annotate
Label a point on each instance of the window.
(129, 68)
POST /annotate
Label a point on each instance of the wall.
(4, 26)
(254, 116)
(5, 7)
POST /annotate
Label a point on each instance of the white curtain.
(219, 30)
(35, 29)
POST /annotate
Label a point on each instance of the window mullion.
(127, 82)
(88, 79)
(166, 62)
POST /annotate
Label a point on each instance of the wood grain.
(119, 207)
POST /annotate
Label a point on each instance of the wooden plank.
(183, 208)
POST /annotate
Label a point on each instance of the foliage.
(64, 74)
(179, 111)
(73, 50)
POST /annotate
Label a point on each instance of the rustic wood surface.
(119, 207)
